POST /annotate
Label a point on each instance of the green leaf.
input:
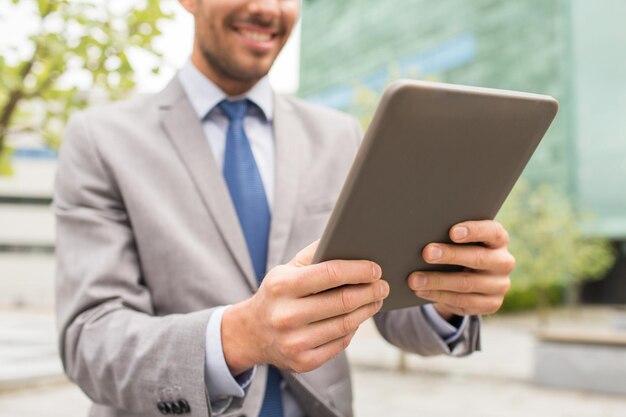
(42, 6)
(6, 169)
(90, 32)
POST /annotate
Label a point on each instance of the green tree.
(89, 38)
(548, 243)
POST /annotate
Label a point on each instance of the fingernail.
(419, 281)
(434, 253)
(384, 289)
(423, 293)
(377, 271)
(460, 232)
(378, 304)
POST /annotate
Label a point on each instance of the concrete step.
(27, 281)
(31, 178)
(28, 351)
(26, 225)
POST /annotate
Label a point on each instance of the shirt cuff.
(218, 379)
(449, 333)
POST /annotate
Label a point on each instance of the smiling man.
(183, 287)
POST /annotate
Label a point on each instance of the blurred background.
(558, 346)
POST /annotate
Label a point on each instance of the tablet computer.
(434, 155)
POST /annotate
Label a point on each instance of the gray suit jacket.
(148, 244)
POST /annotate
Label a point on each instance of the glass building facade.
(573, 50)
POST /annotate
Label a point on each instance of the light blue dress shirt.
(204, 96)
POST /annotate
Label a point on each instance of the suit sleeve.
(410, 330)
(113, 343)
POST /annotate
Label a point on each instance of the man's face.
(240, 39)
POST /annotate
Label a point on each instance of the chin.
(254, 72)
(244, 67)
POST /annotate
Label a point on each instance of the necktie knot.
(234, 110)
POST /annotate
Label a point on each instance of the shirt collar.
(204, 95)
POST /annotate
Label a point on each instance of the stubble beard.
(226, 67)
(223, 63)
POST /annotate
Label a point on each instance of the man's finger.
(324, 331)
(469, 304)
(315, 358)
(339, 301)
(491, 233)
(305, 256)
(470, 256)
(461, 282)
(320, 277)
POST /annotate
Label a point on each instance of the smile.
(257, 36)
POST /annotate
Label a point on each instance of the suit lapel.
(291, 153)
(185, 132)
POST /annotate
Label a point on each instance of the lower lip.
(256, 45)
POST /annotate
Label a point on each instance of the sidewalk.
(494, 382)
(500, 343)
(28, 351)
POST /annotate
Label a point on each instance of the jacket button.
(175, 408)
(184, 406)
(164, 408)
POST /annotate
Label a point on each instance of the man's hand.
(302, 315)
(481, 287)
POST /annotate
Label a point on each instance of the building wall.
(344, 41)
(599, 114)
(501, 44)
(533, 45)
(27, 235)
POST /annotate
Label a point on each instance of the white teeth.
(256, 36)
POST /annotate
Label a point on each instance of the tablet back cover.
(434, 155)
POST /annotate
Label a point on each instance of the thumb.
(305, 256)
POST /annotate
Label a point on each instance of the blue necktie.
(248, 194)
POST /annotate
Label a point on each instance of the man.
(183, 287)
